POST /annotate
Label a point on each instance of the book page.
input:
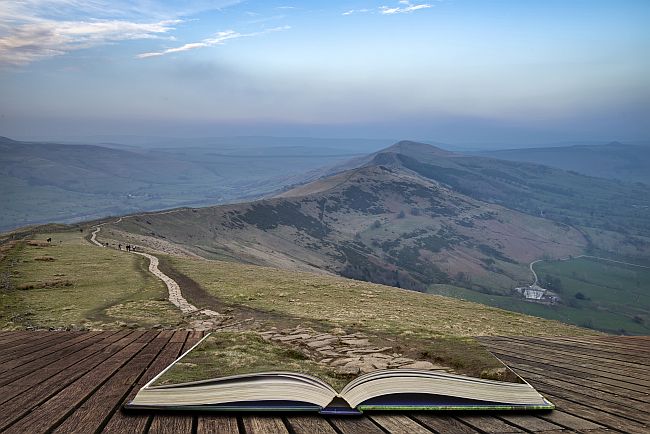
(225, 354)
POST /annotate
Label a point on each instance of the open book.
(243, 372)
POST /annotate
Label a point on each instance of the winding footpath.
(345, 353)
(204, 319)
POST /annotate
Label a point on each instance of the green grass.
(617, 293)
(72, 282)
(616, 297)
(359, 305)
(234, 353)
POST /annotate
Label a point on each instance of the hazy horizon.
(452, 71)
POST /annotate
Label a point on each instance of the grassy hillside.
(558, 195)
(359, 305)
(375, 224)
(70, 283)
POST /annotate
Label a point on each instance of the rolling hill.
(411, 216)
(422, 218)
(613, 160)
(51, 182)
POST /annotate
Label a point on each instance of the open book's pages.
(242, 371)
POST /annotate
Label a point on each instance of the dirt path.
(199, 319)
(533, 271)
(346, 353)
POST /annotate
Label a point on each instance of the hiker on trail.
(119, 247)
(128, 247)
(106, 244)
(49, 240)
(133, 248)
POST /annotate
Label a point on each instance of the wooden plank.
(442, 423)
(19, 361)
(32, 338)
(136, 422)
(53, 411)
(6, 341)
(264, 425)
(354, 425)
(489, 424)
(105, 400)
(630, 370)
(19, 370)
(27, 346)
(171, 424)
(27, 397)
(599, 384)
(187, 339)
(591, 400)
(552, 346)
(25, 380)
(396, 423)
(568, 368)
(11, 335)
(313, 424)
(217, 424)
(597, 416)
(575, 388)
(529, 422)
(570, 421)
(501, 351)
(616, 343)
(638, 354)
(591, 351)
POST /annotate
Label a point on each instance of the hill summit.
(401, 218)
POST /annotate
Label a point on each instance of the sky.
(457, 71)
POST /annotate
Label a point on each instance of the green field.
(596, 294)
(72, 284)
(355, 304)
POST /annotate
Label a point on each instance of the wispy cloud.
(30, 42)
(356, 11)
(219, 39)
(31, 30)
(404, 7)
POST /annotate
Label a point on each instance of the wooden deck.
(76, 382)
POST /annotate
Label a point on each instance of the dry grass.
(81, 286)
(227, 353)
(356, 304)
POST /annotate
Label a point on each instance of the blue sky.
(512, 71)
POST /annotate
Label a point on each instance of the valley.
(420, 218)
(52, 182)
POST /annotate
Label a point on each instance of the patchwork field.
(69, 283)
(596, 294)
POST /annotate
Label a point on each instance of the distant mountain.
(614, 160)
(50, 182)
(411, 216)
